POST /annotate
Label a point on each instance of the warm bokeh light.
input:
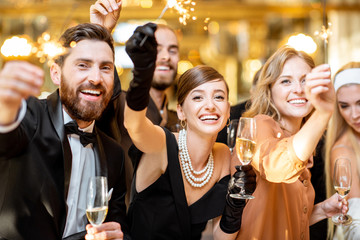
(73, 44)
(183, 66)
(302, 42)
(253, 64)
(146, 3)
(213, 27)
(46, 36)
(16, 47)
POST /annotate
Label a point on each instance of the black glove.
(245, 178)
(142, 49)
(231, 218)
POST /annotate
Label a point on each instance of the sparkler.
(184, 9)
(325, 32)
(48, 49)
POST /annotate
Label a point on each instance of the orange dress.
(284, 195)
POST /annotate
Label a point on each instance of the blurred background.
(233, 36)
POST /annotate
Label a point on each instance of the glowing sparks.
(325, 33)
(45, 49)
(48, 49)
(183, 7)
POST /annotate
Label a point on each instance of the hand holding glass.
(245, 147)
(97, 200)
(342, 184)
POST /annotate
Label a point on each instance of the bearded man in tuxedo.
(50, 148)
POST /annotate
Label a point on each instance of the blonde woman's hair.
(337, 127)
(261, 99)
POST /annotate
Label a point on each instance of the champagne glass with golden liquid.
(97, 200)
(342, 183)
(245, 148)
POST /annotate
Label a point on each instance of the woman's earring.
(183, 124)
(228, 122)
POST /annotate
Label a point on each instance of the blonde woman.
(343, 140)
(292, 104)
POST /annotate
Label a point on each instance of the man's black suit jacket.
(35, 169)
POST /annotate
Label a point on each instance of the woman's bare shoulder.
(222, 157)
(342, 147)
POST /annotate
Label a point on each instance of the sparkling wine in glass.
(245, 147)
(231, 134)
(97, 200)
(342, 184)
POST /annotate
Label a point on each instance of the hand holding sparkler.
(106, 13)
(143, 54)
(18, 80)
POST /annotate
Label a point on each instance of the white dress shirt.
(82, 168)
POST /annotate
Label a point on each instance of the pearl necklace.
(189, 172)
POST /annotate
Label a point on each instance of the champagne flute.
(231, 134)
(245, 148)
(97, 200)
(342, 184)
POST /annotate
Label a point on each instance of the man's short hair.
(84, 31)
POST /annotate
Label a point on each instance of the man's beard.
(160, 86)
(86, 112)
(161, 83)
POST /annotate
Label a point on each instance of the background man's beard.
(88, 112)
(160, 86)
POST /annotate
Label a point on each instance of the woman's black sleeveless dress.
(161, 211)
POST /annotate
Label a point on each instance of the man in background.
(106, 13)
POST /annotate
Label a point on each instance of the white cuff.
(20, 117)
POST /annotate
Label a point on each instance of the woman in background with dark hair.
(181, 178)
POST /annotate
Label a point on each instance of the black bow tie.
(85, 137)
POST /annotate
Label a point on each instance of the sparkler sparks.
(183, 7)
(44, 49)
(48, 49)
(324, 35)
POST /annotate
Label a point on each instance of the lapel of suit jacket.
(57, 118)
(100, 155)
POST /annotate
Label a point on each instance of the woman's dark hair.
(195, 77)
